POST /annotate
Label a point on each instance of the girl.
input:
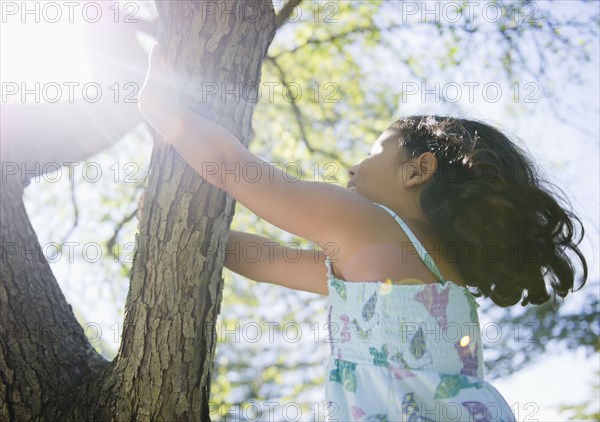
(405, 335)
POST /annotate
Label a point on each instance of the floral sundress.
(410, 352)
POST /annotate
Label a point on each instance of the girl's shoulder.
(387, 252)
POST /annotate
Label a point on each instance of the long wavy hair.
(488, 199)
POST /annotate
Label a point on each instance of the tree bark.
(48, 370)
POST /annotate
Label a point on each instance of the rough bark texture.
(44, 354)
(48, 370)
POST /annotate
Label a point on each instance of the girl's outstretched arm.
(324, 213)
(266, 261)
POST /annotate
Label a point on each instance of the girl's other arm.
(264, 260)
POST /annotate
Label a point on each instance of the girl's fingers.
(156, 60)
(157, 71)
(158, 97)
(157, 56)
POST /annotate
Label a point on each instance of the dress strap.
(329, 267)
(425, 257)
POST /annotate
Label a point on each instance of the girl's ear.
(420, 170)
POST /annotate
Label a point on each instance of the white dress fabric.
(407, 352)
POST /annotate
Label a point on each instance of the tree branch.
(29, 132)
(31, 136)
(285, 13)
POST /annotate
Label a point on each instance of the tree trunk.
(48, 370)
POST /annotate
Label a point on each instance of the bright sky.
(40, 52)
(45, 52)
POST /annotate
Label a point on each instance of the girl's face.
(377, 177)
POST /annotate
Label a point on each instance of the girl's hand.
(158, 100)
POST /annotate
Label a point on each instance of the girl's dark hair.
(486, 198)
